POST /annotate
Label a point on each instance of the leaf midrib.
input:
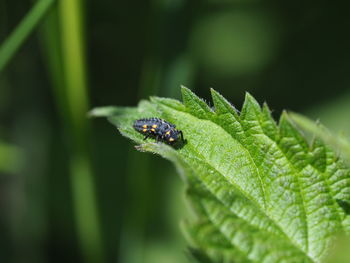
(257, 207)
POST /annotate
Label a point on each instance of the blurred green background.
(71, 188)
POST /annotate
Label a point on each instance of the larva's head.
(172, 136)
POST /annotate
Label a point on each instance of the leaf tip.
(250, 106)
(184, 88)
(186, 92)
(153, 98)
(266, 107)
(215, 93)
(284, 117)
(102, 112)
(250, 98)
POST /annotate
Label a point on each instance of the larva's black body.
(159, 129)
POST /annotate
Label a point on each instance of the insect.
(159, 129)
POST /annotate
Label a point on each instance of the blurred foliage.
(293, 54)
(10, 158)
(25, 27)
(340, 252)
(253, 33)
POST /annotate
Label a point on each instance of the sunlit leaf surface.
(260, 191)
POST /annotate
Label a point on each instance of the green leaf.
(260, 191)
(337, 142)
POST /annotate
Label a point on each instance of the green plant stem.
(22, 31)
(52, 53)
(74, 71)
